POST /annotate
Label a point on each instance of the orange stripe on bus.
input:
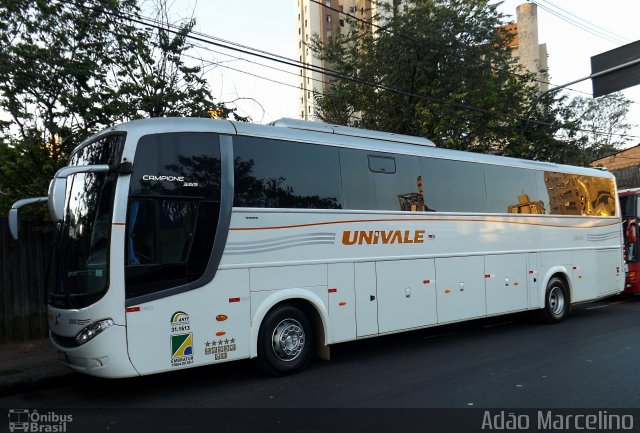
(583, 226)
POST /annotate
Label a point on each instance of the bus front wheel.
(285, 341)
(556, 302)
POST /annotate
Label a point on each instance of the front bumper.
(105, 355)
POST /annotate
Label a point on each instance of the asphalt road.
(591, 360)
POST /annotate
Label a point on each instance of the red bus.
(630, 208)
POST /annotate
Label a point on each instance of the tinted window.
(512, 190)
(282, 174)
(400, 190)
(82, 250)
(382, 164)
(380, 181)
(572, 194)
(627, 205)
(599, 195)
(103, 151)
(357, 180)
(173, 211)
(453, 186)
(180, 164)
(564, 198)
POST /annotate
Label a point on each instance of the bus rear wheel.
(556, 302)
(285, 341)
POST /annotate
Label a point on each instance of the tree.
(160, 81)
(441, 69)
(602, 125)
(71, 68)
(54, 67)
(54, 85)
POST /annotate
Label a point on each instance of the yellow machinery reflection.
(572, 194)
(525, 205)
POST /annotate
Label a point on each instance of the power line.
(581, 23)
(241, 71)
(416, 42)
(442, 50)
(145, 21)
(207, 39)
(254, 63)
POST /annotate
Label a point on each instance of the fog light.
(92, 330)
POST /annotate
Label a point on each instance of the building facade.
(624, 165)
(525, 47)
(325, 18)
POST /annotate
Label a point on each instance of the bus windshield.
(81, 274)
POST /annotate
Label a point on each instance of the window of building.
(328, 18)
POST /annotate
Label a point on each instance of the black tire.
(285, 341)
(556, 302)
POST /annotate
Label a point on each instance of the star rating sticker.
(233, 340)
(207, 344)
(226, 341)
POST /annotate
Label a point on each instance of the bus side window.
(453, 186)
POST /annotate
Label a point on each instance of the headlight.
(92, 330)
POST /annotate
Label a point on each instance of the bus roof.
(629, 191)
(336, 135)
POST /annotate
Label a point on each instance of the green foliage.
(602, 125)
(442, 69)
(69, 69)
(159, 82)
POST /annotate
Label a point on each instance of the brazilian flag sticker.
(181, 349)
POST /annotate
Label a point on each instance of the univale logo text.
(374, 237)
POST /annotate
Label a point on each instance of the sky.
(271, 26)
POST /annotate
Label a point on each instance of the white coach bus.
(187, 242)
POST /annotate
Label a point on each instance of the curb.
(32, 380)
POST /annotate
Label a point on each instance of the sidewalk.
(29, 364)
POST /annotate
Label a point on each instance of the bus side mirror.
(632, 231)
(57, 192)
(58, 187)
(13, 213)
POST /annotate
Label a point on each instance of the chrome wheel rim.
(556, 301)
(288, 340)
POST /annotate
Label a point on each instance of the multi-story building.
(327, 17)
(324, 18)
(524, 45)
